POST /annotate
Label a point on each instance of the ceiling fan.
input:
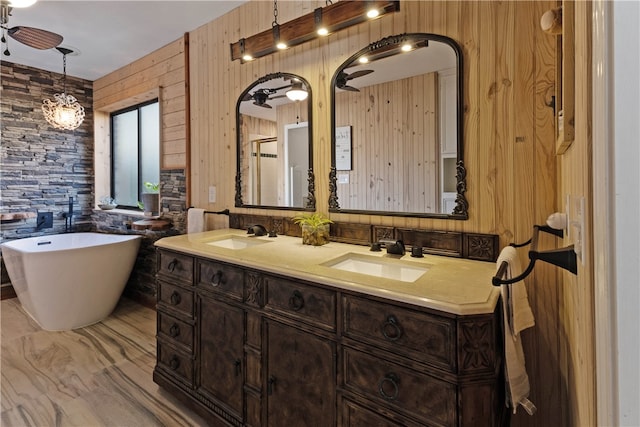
(32, 37)
(343, 78)
(261, 96)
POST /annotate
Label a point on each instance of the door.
(221, 331)
(300, 378)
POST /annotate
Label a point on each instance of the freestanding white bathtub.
(67, 281)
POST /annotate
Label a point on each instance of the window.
(135, 149)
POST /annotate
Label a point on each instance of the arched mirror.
(397, 130)
(274, 147)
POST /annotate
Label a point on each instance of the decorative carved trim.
(483, 247)
(333, 189)
(254, 290)
(476, 340)
(383, 233)
(239, 191)
(311, 197)
(462, 206)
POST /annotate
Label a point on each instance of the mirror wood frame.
(461, 209)
(311, 200)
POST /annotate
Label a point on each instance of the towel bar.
(563, 257)
(222, 212)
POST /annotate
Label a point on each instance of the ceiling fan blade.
(350, 88)
(247, 97)
(35, 37)
(359, 73)
(262, 104)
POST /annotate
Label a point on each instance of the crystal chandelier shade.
(64, 112)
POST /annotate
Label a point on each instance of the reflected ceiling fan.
(261, 96)
(32, 37)
(343, 78)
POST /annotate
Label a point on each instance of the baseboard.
(7, 291)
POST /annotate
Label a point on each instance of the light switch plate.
(212, 194)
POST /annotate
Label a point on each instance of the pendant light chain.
(64, 73)
(275, 13)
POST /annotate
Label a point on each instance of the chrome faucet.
(394, 247)
(257, 230)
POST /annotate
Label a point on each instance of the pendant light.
(64, 112)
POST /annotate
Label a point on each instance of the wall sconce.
(322, 21)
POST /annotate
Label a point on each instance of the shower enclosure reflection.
(274, 167)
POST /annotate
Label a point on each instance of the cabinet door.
(300, 376)
(220, 356)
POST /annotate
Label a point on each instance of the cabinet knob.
(296, 301)
(173, 264)
(174, 330)
(175, 298)
(391, 329)
(174, 363)
(389, 386)
(218, 278)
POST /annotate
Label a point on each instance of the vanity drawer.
(355, 415)
(175, 329)
(424, 337)
(175, 363)
(175, 297)
(306, 302)
(410, 392)
(175, 266)
(220, 278)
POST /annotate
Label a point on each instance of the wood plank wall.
(514, 178)
(160, 74)
(392, 169)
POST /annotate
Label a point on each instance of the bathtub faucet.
(68, 217)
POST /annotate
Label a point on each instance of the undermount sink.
(378, 267)
(237, 242)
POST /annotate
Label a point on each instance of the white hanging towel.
(195, 220)
(517, 316)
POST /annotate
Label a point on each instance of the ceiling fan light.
(297, 94)
(64, 112)
(22, 3)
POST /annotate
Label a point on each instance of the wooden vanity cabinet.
(272, 350)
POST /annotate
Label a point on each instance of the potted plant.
(151, 199)
(315, 228)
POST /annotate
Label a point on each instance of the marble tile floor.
(97, 376)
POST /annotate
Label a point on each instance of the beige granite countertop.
(452, 285)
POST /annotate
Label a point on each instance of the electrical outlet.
(575, 224)
(212, 194)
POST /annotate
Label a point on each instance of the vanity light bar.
(334, 17)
